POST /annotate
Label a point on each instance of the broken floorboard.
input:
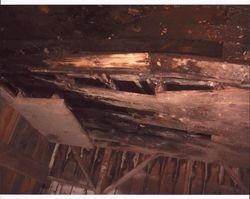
(143, 65)
(221, 112)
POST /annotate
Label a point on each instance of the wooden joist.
(236, 179)
(130, 174)
(160, 65)
(12, 158)
(221, 112)
(82, 167)
(104, 170)
(193, 149)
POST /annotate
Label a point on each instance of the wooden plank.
(205, 151)
(201, 68)
(161, 64)
(65, 128)
(11, 158)
(27, 185)
(8, 121)
(83, 169)
(216, 112)
(72, 182)
(104, 170)
(236, 179)
(226, 101)
(197, 181)
(130, 174)
(188, 177)
(111, 61)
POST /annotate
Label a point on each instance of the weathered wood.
(40, 113)
(236, 179)
(201, 68)
(112, 61)
(161, 64)
(130, 174)
(8, 121)
(188, 177)
(83, 169)
(12, 158)
(71, 182)
(103, 170)
(218, 112)
(205, 151)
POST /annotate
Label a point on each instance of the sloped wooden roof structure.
(125, 99)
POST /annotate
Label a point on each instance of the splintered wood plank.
(52, 118)
(11, 158)
(202, 68)
(109, 61)
(159, 64)
(219, 112)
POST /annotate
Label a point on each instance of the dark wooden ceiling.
(189, 101)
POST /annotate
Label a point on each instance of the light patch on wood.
(127, 61)
(51, 118)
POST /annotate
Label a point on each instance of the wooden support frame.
(83, 169)
(236, 179)
(200, 150)
(104, 170)
(175, 109)
(130, 174)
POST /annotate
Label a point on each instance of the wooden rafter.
(130, 174)
(236, 178)
(83, 169)
(194, 149)
(104, 170)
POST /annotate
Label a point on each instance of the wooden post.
(104, 169)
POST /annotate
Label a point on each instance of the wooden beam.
(113, 61)
(72, 182)
(8, 121)
(194, 149)
(159, 64)
(104, 170)
(201, 68)
(12, 158)
(220, 112)
(236, 179)
(188, 177)
(83, 169)
(130, 174)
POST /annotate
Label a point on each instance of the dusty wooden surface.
(24, 155)
(51, 118)
(197, 98)
(161, 175)
(215, 31)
